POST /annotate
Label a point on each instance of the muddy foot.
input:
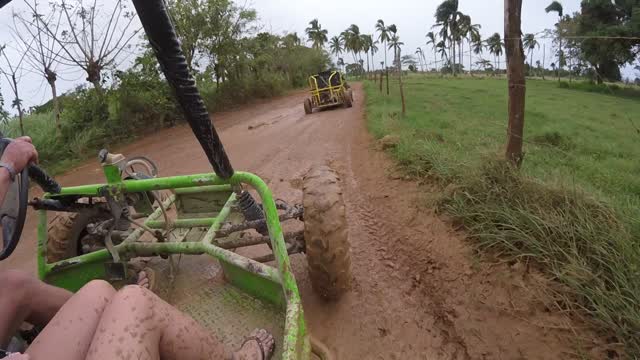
(258, 346)
(146, 279)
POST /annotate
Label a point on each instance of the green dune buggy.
(135, 218)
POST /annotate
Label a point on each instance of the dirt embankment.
(418, 291)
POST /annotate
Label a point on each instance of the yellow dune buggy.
(328, 89)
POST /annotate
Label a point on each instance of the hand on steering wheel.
(16, 155)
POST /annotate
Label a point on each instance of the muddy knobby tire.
(64, 233)
(348, 98)
(326, 233)
(308, 109)
(59, 235)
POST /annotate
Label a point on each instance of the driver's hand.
(20, 153)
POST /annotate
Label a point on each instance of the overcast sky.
(414, 18)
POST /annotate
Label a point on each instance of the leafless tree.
(12, 71)
(41, 50)
(86, 42)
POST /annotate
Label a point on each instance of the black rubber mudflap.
(164, 41)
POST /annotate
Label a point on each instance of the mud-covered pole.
(164, 41)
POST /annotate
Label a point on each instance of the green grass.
(573, 207)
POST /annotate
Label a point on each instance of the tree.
(335, 45)
(447, 18)
(383, 38)
(472, 33)
(353, 41)
(374, 49)
(441, 48)
(610, 35)
(421, 58)
(42, 52)
(433, 41)
(12, 72)
(556, 7)
(85, 43)
(485, 64)
(495, 46)
(367, 43)
(395, 44)
(530, 43)
(477, 45)
(316, 34)
(340, 62)
(4, 116)
(516, 78)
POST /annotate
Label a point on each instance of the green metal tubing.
(42, 241)
(194, 248)
(294, 333)
(182, 223)
(222, 216)
(201, 189)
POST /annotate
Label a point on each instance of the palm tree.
(396, 45)
(556, 7)
(530, 43)
(367, 43)
(421, 57)
(477, 45)
(353, 41)
(373, 49)
(432, 40)
(496, 47)
(447, 17)
(383, 38)
(335, 45)
(441, 48)
(471, 33)
(316, 34)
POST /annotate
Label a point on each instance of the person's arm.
(18, 155)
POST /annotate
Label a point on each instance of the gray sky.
(414, 19)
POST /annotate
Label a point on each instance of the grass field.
(572, 208)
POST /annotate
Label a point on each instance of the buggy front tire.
(326, 233)
(307, 106)
(348, 98)
(65, 232)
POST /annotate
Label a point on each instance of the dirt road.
(418, 291)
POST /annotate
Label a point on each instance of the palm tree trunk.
(453, 58)
(386, 66)
(470, 61)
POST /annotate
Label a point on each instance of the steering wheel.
(13, 211)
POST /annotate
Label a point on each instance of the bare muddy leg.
(139, 325)
(25, 298)
(68, 335)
